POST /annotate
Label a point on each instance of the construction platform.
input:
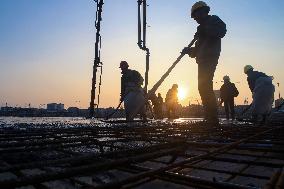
(142, 155)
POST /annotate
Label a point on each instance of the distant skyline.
(47, 47)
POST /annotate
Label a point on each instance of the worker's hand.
(190, 51)
(185, 50)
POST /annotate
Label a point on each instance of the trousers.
(229, 108)
(206, 70)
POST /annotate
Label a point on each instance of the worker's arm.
(250, 83)
(122, 89)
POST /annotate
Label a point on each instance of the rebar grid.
(190, 154)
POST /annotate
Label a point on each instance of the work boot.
(263, 120)
(212, 121)
(254, 119)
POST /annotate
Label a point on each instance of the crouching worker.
(228, 92)
(131, 92)
(262, 93)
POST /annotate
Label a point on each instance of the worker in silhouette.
(172, 101)
(262, 90)
(206, 52)
(131, 92)
(158, 103)
(228, 92)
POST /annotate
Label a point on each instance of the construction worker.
(131, 92)
(262, 93)
(206, 52)
(158, 107)
(228, 92)
(172, 101)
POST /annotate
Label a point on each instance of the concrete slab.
(110, 176)
(261, 170)
(160, 184)
(152, 165)
(62, 184)
(225, 166)
(238, 157)
(249, 181)
(31, 172)
(247, 152)
(7, 176)
(208, 175)
(194, 152)
(86, 179)
(26, 187)
(164, 159)
(276, 161)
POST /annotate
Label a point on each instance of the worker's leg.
(169, 112)
(160, 112)
(206, 69)
(254, 118)
(226, 105)
(232, 108)
(264, 118)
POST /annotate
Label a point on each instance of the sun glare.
(181, 93)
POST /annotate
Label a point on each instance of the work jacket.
(171, 97)
(130, 80)
(210, 32)
(228, 91)
(252, 77)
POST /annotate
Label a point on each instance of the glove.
(189, 50)
(185, 50)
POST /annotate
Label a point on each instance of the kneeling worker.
(228, 92)
(131, 92)
(262, 93)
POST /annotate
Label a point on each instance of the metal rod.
(158, 83)
(189, 160)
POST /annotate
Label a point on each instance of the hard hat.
(226, 78)
(123, 64)
(175, 86)
(198, 5)
(247, 68)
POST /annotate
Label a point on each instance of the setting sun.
(181, 93)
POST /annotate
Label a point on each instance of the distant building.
(55, 107)
(7, 108)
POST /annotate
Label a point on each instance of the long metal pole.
(97, 61)
(157, 85)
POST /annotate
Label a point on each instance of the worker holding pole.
(206, 52)
(131, 92)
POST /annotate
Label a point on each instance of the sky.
(47, 47)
